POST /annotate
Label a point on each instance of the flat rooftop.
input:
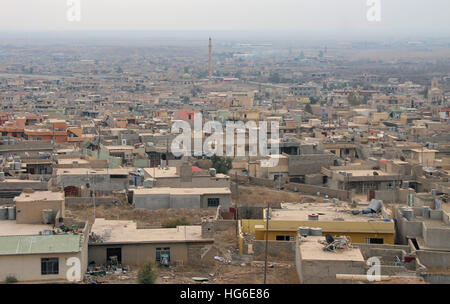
(70, 161)
(312, 250)
(365, 172)
(32, 244)
(326, 212)
(10, 227)
(85, 171)
(162, 172)
(127, 232)
(181, 191)
(124, 147)
(40, 196)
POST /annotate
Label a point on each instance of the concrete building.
(189, 198)
(74, 180)
(316, 266)
(305, 90)
(133, 246)
(31, 204)
(185, 176)
(427, 229)
(363, 180)
(39, 246)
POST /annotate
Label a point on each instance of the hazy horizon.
(344, 18)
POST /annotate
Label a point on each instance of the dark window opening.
(283, 238)
(213, 202)
(416, 245)
(375, 241)
(114, 252)
(49, 266)
(162, 251)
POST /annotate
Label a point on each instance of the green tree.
(221, 164)
(274, 78)
(353, 99)
(313, 100)
(308, 108)
(425, 93)
(174, 222)
(148, 273)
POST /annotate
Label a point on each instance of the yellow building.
(334, 220)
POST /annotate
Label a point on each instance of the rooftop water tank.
(3, 213)
(426, 212)
(408, 213)
(303, 231)
(212, 171)
(107, 232)
(315, 231)
(375, 205)
(313, 217)
(11, 213)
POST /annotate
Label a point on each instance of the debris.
(218, 258)
(200, 279)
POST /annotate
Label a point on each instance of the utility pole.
(237, 203)
(93, 195)
(267, 243)
(210, 68)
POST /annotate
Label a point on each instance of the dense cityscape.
(317, 161)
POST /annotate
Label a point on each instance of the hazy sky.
(397, 16)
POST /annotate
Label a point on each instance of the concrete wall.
(196, 182)
(393, 196)
(28, 267)
(100, 182)
(31, 212)
(296, 187)
(188, 201)
(138, 254)
(185, 201)
(281, 250)
(153, 202)
(434, 258)
(309, 163)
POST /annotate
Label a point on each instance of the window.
(213, 202)
(374, 241)
(49, 266)
(160, 251)
(284, 238)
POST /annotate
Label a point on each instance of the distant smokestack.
(210, 58)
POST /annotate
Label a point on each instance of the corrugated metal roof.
(32, 244)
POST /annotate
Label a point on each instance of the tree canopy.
(221, 164)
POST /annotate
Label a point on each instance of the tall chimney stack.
(210, 59)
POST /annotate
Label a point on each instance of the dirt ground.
(215, 271)
(257, 196)
(144, 218)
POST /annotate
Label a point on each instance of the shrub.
(11, 279)
(174, 222)
(148, 273)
